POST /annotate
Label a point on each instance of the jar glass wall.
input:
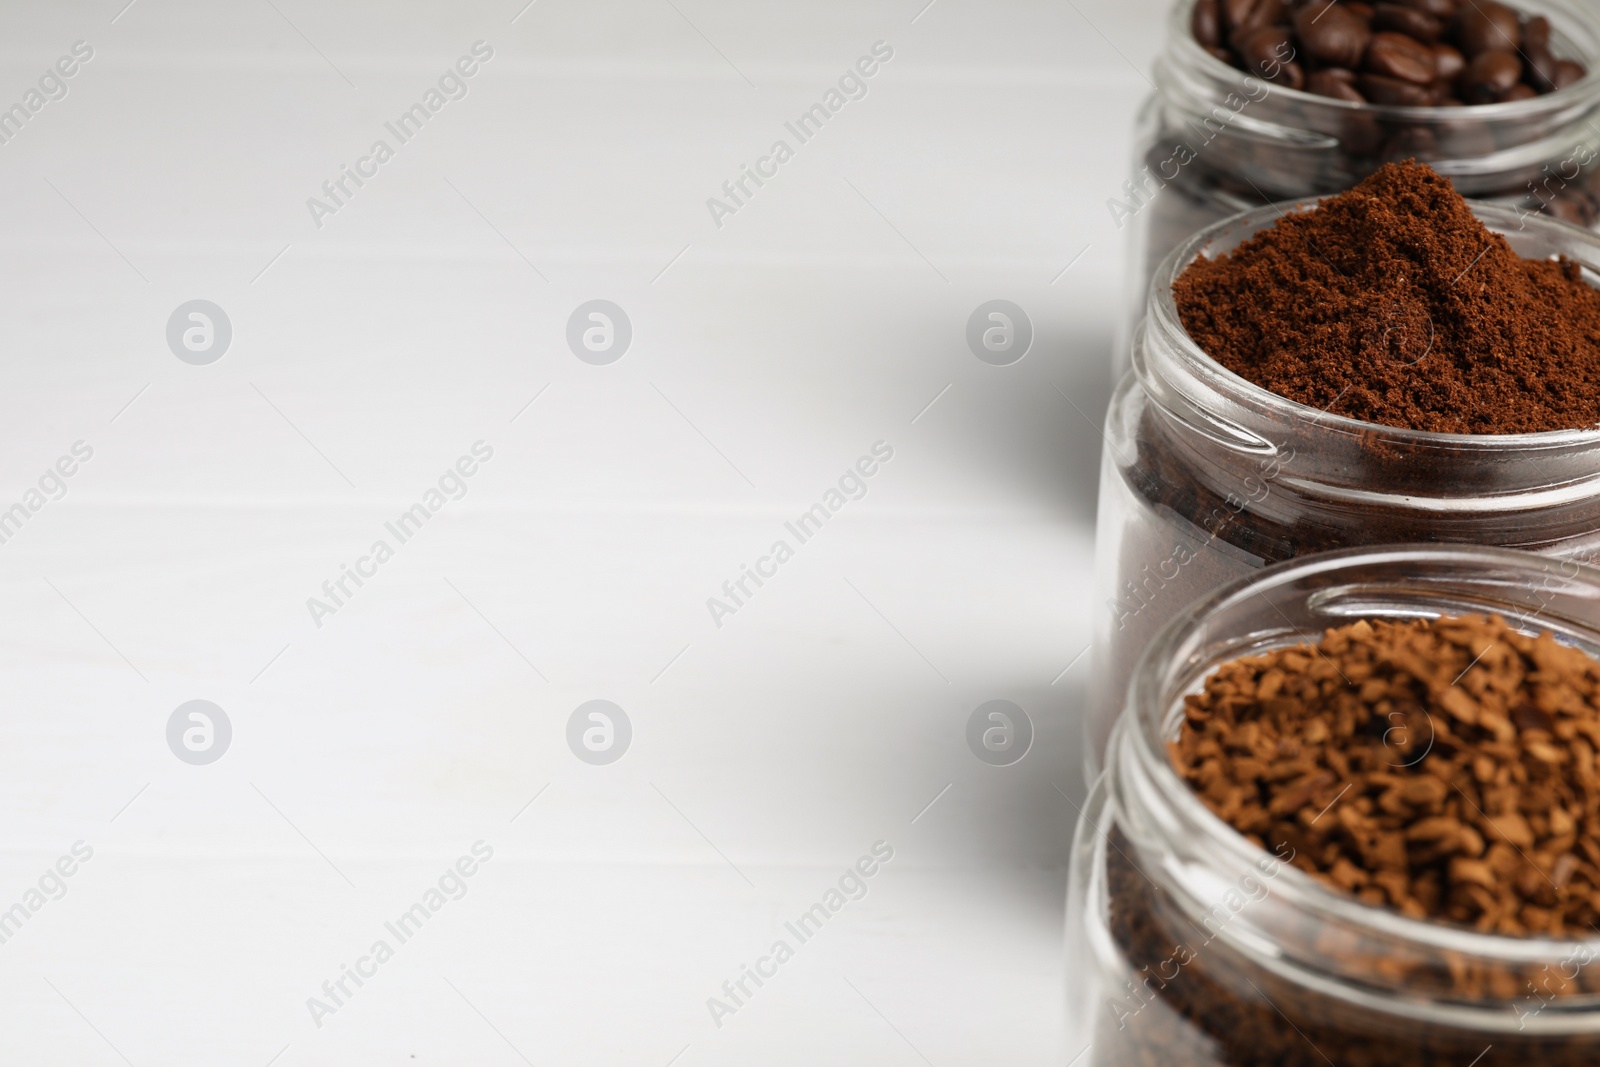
(1213, 140)
(1206, 477)
(1190, 946)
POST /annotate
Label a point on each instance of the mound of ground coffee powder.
(1391, 303)
(1410, 53)
(1445, 768)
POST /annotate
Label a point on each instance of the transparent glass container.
(1190, 946)
(1213, 140)
(1205, 477)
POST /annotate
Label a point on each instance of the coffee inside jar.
(1219, 136)
(1387, 419)
(1348, 819)
(1410, 53)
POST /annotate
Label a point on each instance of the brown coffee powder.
(1391, 303)
(1445, 768)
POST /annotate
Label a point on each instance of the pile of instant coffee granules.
(1391, 303)
(1445, 768)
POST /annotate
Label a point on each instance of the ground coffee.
(1445, 768)
(1411, 53)
(1391, 303)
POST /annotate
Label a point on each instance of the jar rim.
(1163, 314)
(1588, 86)
(1139, 745)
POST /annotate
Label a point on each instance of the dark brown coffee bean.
(1360, 135)
(1519, 91)
(1448, 61)
(1536, 32)
(1393, 91)
(1410, 142)
(1570, 72)
(1486, 26)
(1331, 35)
(1394, 55)
(1490, 76)
(1264, 50)
(1360, 9)
(1439, 9)
(1224, 55)
(1329, 83)
(1241, 16)
(1541, 68)
(1206, 23)
(1419, 24)
(1237, 13)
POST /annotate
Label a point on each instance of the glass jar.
(1205, 477)
(1213, 140)
(1190, 946)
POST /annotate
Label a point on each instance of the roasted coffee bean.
(1490, 76)
(1448, 61)
(1439, 9)
(1541, 67)
(1393, 91)
(1394, 55)
(1570, 72)
(1224, 55)
(1360, 135)
(1331, 35)
(1265, 50)
(1519, 91)
(1360, 10)
(1329, 83)
(1419, 24)
(1536, 32)
(1206, 23)
(1410, 142)
(1241, 16)
(1486, 26)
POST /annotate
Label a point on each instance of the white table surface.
(768, 354)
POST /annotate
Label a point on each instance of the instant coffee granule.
(1445, 768)
(1393, 304)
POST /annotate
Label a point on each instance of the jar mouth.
(1512, 111)
(1166, 818)
(1581, 246)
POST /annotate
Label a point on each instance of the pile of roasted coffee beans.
(1411, 53)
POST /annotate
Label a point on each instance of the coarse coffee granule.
(1393, 304)
(1445, 768)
